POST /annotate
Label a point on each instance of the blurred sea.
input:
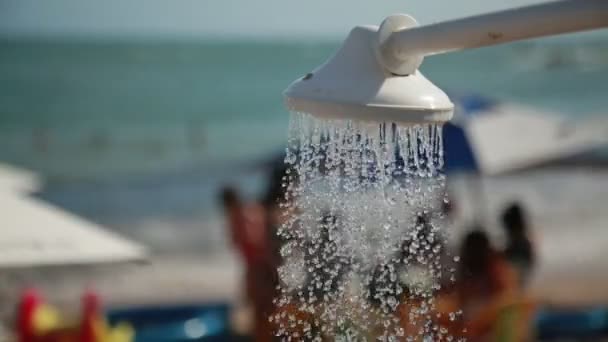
(139, 135)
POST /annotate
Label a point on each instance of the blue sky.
(263, 18)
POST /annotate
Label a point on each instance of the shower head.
(355, 84)
(374, 75)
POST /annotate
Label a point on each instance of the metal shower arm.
(496, 28)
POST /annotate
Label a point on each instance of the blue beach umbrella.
(488, 137)
(459, 156)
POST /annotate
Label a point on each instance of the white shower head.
(374, 75)
(354, 83)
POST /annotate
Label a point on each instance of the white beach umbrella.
(516, 137)
(34, 233)
(490, 138)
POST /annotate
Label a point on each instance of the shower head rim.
(369, 112)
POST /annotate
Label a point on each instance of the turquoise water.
(110, 110)
(129, 133)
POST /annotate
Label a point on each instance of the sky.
(223, 18)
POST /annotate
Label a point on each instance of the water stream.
(364, 231)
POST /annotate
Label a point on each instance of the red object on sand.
(91, 305)
(30, 301)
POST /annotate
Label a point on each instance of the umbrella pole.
(478, 199)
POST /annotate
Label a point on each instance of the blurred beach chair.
(558, 324)
(206, 322)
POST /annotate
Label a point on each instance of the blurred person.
(319, 288)
(276, 210)
(423, 234)
(247, 224)
(422, 258)
(519, 250)
(488, 294)
(423, 250)
(322, 252)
